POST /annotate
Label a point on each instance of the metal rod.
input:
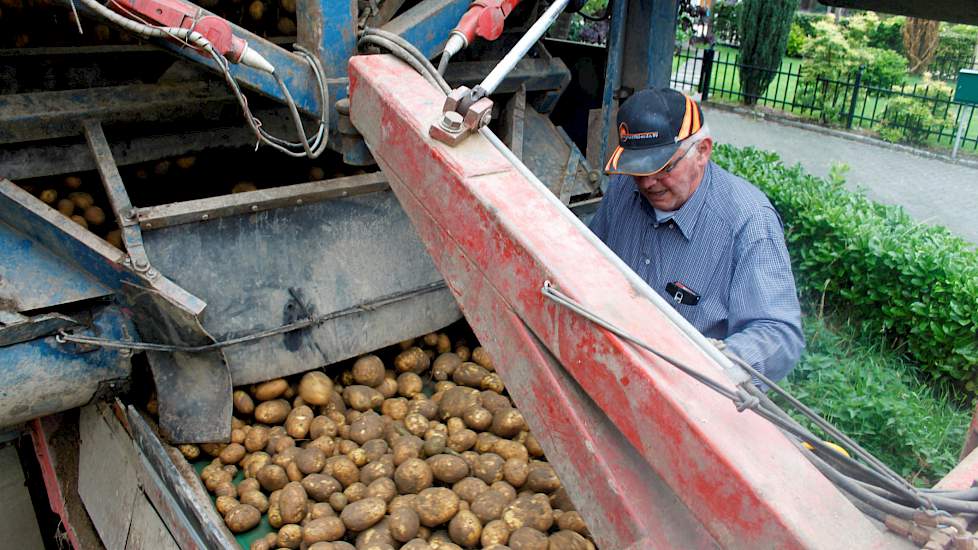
(957, 136)
(496, 76)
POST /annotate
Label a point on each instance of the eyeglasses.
(669, 167)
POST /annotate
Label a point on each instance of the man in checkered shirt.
(707, 240)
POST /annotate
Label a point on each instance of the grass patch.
(869, 392)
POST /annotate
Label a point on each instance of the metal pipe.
(503, 68)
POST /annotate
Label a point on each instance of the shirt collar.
(685, 218)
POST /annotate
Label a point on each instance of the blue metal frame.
(650, 39)
(612, 79)
(50, 377)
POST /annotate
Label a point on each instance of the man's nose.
(647, 182)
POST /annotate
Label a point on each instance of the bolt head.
(451, 121)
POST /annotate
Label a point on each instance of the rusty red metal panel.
(651, 458)
(49, 472)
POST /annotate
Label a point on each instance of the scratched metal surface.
(335, 253)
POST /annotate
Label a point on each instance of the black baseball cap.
(652, 124)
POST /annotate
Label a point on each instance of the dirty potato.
(368, 426)
(368, 371)
(569, 540)
(272, 389)
(315, 388)
(256, 499)
(448, 468)
(242, 517)
(494, 532)
(243, 404)
(325, 529)
(465, 529)
(542, 478)
(364, 513)
(409, 384)
(489, 505)
(413, 476)
(436, 505)
(529, 511)
(273, 412)
(272, 477)
(444, 366)
(292, 502)
(404, 524)
(320, 487)
(362, 398)
(507, 422)
(412, 360)
(469, 374)
(526, 538)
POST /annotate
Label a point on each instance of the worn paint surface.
(334, 254)
(42, 377)
(735, 475)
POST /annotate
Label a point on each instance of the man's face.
(669, 191)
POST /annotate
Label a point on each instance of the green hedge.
(916, 285)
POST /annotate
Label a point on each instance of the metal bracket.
(132, 236)
(462, 114)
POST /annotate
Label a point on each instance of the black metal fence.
(945, 66)
(927, 114)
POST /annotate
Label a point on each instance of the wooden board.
(106, 476)
(147, 531)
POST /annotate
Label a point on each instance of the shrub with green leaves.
(888, 35)
(796, 41)
(869, 393)
(957, 41)
(827, 54)
(860, 27)
(915, 285)
(909, 120)
(807, 20)
(881, 68)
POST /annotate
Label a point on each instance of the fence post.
(706, 73)
(855, 95)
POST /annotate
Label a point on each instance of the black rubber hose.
(411, 50)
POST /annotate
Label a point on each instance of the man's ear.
(704, 149)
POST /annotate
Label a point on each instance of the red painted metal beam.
(49, 473)
(650, 458)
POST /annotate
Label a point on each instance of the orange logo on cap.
(623, 134)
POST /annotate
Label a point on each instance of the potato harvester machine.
(221, 290)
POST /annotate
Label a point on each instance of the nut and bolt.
(451, 121)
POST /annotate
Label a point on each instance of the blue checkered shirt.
(726, 243)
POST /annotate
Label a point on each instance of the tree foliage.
(764, 26)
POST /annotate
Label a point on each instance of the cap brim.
(640, 162)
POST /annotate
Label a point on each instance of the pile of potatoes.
(69, 197)
(367, 460)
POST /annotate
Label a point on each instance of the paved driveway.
(932, 191)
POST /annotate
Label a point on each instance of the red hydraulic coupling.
(484, 19)
(174, 13)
